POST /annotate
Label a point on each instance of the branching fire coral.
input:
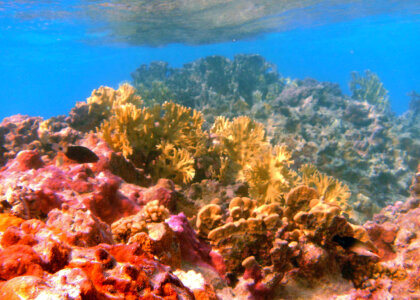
(173, 163)
(104, 99)
(247, 156)
(330, 189)
(269, 176)
(240, 140)
(127, 129)
(86, 116)
(167, 135)
(167, 139)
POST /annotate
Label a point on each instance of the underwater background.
(209, 149)
(70, 49)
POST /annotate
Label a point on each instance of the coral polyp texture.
(181, 203)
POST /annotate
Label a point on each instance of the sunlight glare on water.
(161, 22)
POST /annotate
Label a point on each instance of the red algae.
(13, 236)
(17, 260)
(107, 203)
(7, 220)
(26, 160)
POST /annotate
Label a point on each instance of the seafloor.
(218, 180)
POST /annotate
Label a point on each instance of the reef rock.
(18, 133)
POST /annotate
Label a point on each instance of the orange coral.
(7, 220)
(18, 260)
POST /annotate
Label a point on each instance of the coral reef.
(395, 233)
(356, 140)
(215, 85)
(273, 244)
(352, 141)
(163, 139)
(172, 207)
(72, 251)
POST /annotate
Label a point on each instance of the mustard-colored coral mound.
(245, 230)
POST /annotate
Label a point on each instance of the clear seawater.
(54, 53)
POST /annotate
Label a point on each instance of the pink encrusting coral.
(37, 187)
(72, 244)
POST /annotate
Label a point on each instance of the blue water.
(46, 65)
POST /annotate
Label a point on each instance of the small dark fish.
(79, 154)
(354, 245)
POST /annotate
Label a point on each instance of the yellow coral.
(266, 210)
(330, 190)
(175, 164)
(299, 199)
(307, 171)
(167, 136)
(103, 100)
(125, 228)
(44, 130)
(182, 127)
(154, 212)
(269, 176)
(247, 156)
(241, 207)
(241, 140)
(128, 128)
(208, 218)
